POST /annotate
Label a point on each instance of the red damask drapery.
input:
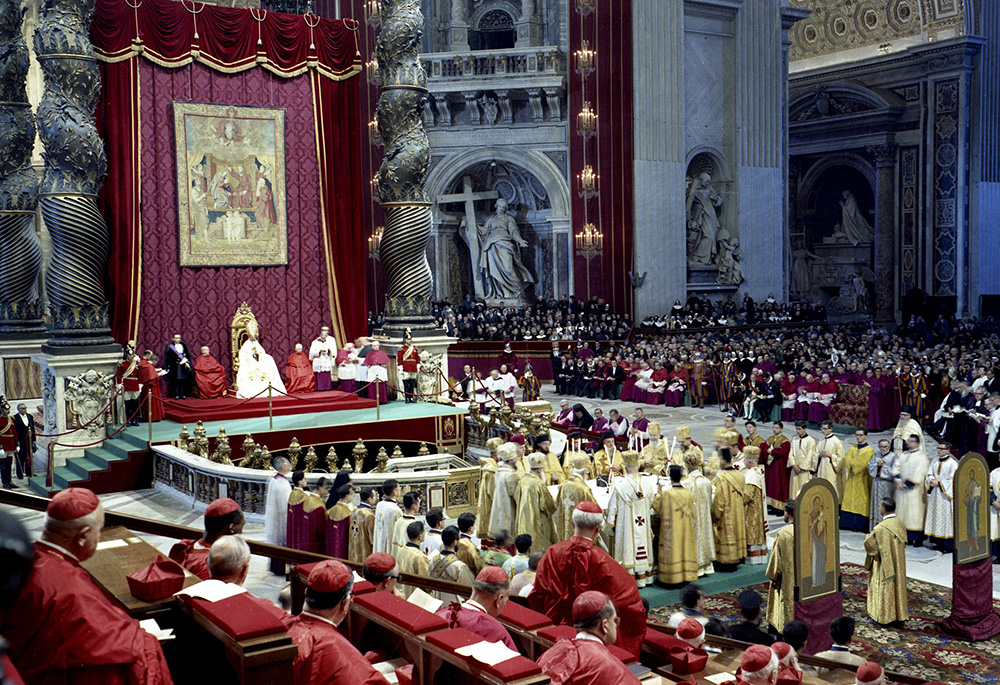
(153, 52)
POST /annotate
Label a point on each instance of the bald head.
(77, 536)
(229, 559)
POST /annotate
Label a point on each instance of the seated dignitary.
(229, 561)
(62, 628)
(585, 659)
(759, 666)
(490, 592)
(693, 602)
(842, 631)
(869, 673)
(325, 656)
(222, 517)
(380, 570)
(749, 629)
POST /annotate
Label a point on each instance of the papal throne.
(238, 335)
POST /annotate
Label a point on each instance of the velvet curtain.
(608, 30)
(305, 67)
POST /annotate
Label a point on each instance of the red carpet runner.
(192, 410)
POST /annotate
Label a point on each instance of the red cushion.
(556, 632)
(240, 617)
(625, 656)
(401, 613)
(512, 669)
(404, 674)
(523, 617)
(661, 643)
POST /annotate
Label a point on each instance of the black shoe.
(10, 486)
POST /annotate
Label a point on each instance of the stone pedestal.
(434, 342)
(76, 388)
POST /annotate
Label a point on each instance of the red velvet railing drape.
(313, 60)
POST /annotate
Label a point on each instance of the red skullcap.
(869, 672)
(380, 562)
(690, 629)
(589, 507)
(328, 576)
(588, 605)
(221, 507)
(493, 574)
(517, 438)
(72, 503)
(781, 650)
(756, 658)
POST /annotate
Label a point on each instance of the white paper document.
(388, 669)
(720, 678)
(153, 628)
(110, 544)
(424, 600)
(489, 653)
(213, 590)
(358, 578)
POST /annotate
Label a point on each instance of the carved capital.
(884, 155)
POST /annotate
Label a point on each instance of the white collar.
(60, 549)
(584, 635)
(319, 618)
(889, 516)
(201, 543)
(474, 605)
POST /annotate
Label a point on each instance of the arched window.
(495, 32)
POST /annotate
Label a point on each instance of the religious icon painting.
(972, 506)
(817, 541)
(230, 185)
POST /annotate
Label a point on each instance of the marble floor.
(923, 564)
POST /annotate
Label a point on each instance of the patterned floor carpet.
(917, 649)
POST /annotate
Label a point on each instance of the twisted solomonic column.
(75, 165)
(20, 249)
(408, 221)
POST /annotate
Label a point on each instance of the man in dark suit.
(749, 629)
(24, 428)
(557, 368)
(177, 362)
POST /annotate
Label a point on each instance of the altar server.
(940, 485)
(829, 458)
(387, 512)
(447, 566)
(222, 517)
(62, 628)
(478, 614)
(909, 473)
(585, 659)
(322, 353)
(410, 558)
(411, 508)
(885, 548)
(276, 509)
(572, 567)
(324, 655)
(802, 458)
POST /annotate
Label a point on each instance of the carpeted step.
(82, 467)
(64, 477)
(118, 448)
(134, 442)
(37, 485)
(104, 456)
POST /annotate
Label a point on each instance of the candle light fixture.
(373, 13)
(373, 133)
(585, 60)
(372, 73)
(375, 184)
(586, 121)
(590, 241)
(375, 242)
(585, 7)
(587, 182)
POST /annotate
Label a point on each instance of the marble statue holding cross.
(498, 274)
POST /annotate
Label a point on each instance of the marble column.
(885, 232)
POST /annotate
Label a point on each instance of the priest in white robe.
(276, 509)
(909, 473)
(629, 513)
(830, 458)
(257, 368)
(323, 353)
(940, 485)
(387, 512)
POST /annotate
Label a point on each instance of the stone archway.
(540, 203)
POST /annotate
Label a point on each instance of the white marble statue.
(504, 275)
(801, 267)
(853, 223)
(702, 220)
(728, 259)
(257, 367)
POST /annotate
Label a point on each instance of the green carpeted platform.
(744, 576)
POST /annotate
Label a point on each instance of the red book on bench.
(512, 669)
(523, 617)
(399, 612)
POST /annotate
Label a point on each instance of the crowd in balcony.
(700, 312)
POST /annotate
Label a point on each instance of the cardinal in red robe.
(149, 378)
(572, 567)
(478, 613)
(299, 372)
(209, 375)
(222, 517)
(62, 628)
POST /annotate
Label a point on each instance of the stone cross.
(469, 198)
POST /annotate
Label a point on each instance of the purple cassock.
(306, 527)
(876, 403)
(336, 537)
(473, 617)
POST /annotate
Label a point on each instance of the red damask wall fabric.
(306, 70)
(608, 31)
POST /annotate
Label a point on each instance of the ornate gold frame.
(238, 335)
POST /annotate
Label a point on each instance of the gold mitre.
(631, 458)
(683, 433)
(653, 428)
(493, 443)
(536, 460)
(751, 452)
(581, 462)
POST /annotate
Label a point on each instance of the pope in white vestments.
(257, 368)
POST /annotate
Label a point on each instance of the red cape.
(193, 558)
(574, 566)
(150, 381)
(326, 656)
(62, 628)
(299, 373)
(583, 662)
(210, 377)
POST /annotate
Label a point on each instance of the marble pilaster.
(885, 232)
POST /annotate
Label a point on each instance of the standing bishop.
(885, 548)
(909, 473)
(702, 491)
(940, 485)
(829, 458)
(854, 511)
(677, 561)
(535, 506)
(322, 353)
(571, 493)
(729, 515)
(756, 510)
(685, 446)
(630, 514)
(781, 572)
(776, 468)
(880, 468)
(503, 513)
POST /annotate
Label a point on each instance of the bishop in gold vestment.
(686, 449)
(756, 511)
(781, 571)
(701, 490)
(487, 482)
(654, 457)
(729, 516)
(886, 561)
(677, 559)
(535, 506)
(570, 494)
(359, 546)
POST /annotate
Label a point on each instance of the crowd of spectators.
(700, 312)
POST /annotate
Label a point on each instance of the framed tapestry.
(972, 509)
(230, 185)
(817, 541)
